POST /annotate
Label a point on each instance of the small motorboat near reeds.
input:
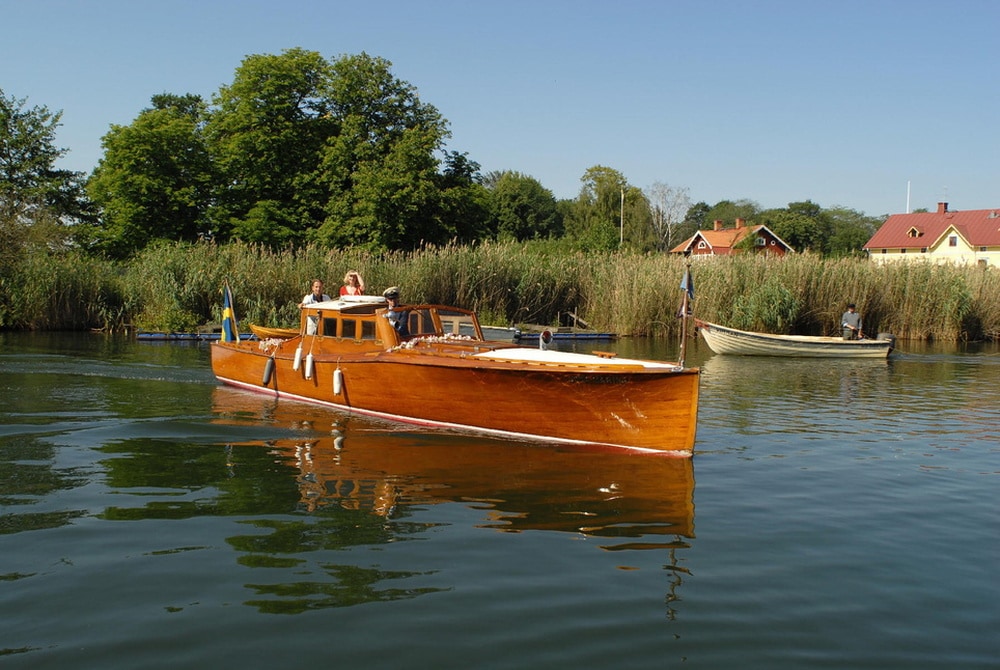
(349, 356)
(723, 340)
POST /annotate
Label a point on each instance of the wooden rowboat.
(263, 332)
(723, 340)
(349, 356)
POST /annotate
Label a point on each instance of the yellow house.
(943, 236)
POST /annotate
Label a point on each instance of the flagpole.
(684, 323)
(686, 285)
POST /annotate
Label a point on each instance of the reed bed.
(179, 287)
(69, 292)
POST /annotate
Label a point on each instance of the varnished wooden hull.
(610, 404)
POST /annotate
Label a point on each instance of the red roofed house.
(724, 241)
(942, 236)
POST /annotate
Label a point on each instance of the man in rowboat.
(851, 323)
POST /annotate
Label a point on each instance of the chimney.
(942, 208)
(717, 224)
(740, 223)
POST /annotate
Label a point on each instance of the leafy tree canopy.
(381, 170)
(36, 198)
(851, 230)
(522, 209)
(155, 179)
(266, 133)
(299, 149)
(803, 225)
(594, 219)
(295, 149)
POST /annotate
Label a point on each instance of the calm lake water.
(836, 514)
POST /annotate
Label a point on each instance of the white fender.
(298, 358)
(338, 381)
(309, 366)
(268, 372)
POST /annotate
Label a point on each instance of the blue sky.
(844, 103)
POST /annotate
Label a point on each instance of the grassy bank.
(178, 287)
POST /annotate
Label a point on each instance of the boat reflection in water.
(362, 464)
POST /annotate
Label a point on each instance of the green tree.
(594, 220)
(381, 172)
(728, 211)
(155, 178)
(851, 230)
(695, 219)
(803, 225)
(266, 133)
(522, 208)
(37, 200)
(465, 202)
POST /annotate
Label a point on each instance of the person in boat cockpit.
(317, 295)
(396, 318)
(353, 284)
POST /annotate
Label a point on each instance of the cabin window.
(367, 330)
(330, 327)
(953, 241)
(456, 323)
(349, 329)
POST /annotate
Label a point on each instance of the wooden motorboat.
(349, 462)
(723, 340)
(349, 356)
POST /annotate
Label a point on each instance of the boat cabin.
(365, 319)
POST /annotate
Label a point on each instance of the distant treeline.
(178, 287)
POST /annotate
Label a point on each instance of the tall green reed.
(179, 287)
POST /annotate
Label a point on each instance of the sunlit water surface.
(845, 516)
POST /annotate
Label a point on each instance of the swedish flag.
(230, 331)
(687, 284)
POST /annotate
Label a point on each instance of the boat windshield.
(423, 321)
